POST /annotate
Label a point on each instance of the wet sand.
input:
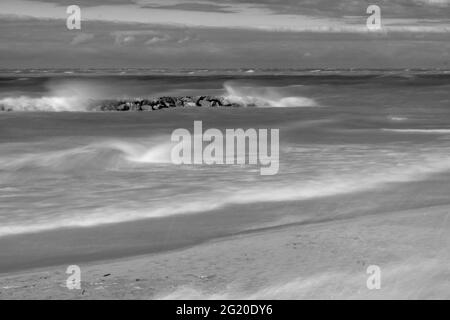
(302, 260)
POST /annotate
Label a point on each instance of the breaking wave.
(264, 97)
(56, 104)
(432, 131)
(79, 97)
(143, 153)
(59, 96)
(99, 155)
(185, 190)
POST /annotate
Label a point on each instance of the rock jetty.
(162, 103)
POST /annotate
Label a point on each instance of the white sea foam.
(264, 97)
(104, 216)
(142, 152)
(56, 103)
(393, 118)
(92, 156)
(60, 96)
(51, 159)
(431, 131)
(342, 183)
(220, 194)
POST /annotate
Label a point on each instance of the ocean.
(344, 135)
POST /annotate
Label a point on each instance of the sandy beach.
(224, 150)
(317, 260)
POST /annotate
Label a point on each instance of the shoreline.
(324, 260)
(24, 252)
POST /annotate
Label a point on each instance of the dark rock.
(146, 107)
(188, 101)
(122, 107)
(203, 102)
(169, 102)
(165, 102)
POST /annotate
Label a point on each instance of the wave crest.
(425, 131)
(142, 153)
(264, 97)
(97, 155)
(24, 103)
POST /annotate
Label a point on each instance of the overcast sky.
(225, 34)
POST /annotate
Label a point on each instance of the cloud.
(89, 3)
(157, 39)
(152, 37)
(81, 38)
(123, 39)
(342, 8)
(439, 3)
(284, 15)
(192, 6)
(34, 34)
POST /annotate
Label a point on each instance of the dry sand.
(318, 260)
